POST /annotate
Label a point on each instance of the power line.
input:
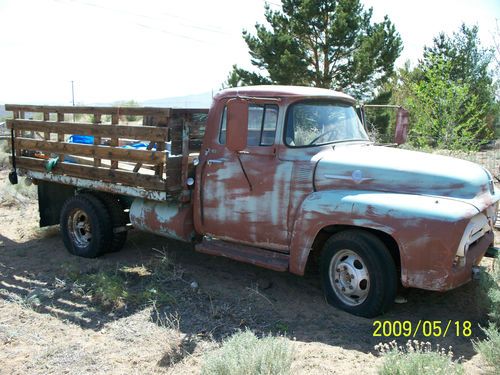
(208, 28)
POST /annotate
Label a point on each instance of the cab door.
(245, 194)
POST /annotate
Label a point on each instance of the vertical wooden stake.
(46, 117)
(17, 133)
(97, 140)
(114, 141)
(60, 136)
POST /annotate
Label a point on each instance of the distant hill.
(203, 100)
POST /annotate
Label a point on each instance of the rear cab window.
(262, 122)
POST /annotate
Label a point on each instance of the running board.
(247, 254)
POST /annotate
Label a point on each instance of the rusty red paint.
(227, 208)
(166, 219)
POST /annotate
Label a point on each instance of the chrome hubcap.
(349, 277)
(79, 228)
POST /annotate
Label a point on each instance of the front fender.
(413, 221)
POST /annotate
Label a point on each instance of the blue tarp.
(85, 139)
(89, 140)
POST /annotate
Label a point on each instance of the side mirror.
(402, 123)
(237, 124)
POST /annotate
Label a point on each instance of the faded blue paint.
(376, 168)
(389, 212)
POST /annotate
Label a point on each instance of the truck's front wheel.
(358, 273)
(85, 226)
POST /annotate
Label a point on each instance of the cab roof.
(284, 91)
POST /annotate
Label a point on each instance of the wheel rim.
(79, 228)
(349, 277)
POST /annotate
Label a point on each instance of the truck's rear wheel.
(358, 273)
(119, 219)
(85, 226)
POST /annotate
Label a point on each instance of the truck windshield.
(319, 123)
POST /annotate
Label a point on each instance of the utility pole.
(73, 96)
(73, 92)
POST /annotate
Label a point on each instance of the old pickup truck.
(273, 176)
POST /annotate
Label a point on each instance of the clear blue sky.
(123, 49)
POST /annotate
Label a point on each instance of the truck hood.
(376, 168)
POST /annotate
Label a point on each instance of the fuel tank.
(168, 219)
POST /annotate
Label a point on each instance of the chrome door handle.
(215, 161)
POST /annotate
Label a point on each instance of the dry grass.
(4, 153)
(244, 353)
(490, 347)
(417, 358)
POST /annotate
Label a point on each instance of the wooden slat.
(173, 172)
(121, 111)
(161, 146)
(96, 173)
(114, 140)
(60, 136)
(97, 139)
(106, 131)
(46, 117)
(96, 151)
(176, 129)
(139, 165)
(185, 154)
(187, 111)
(17, 133)
(195, 145)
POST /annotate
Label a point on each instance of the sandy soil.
(47, 328)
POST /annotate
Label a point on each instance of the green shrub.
(108, 290)
(244, 353)
(494, 294)
(490, 348)
(417, 358)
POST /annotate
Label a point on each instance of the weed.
(168, 321)
(108, 290)
(71, 271)
(4, 153)
(244, 353)
(493, 292)
(151, 295)
(164, 268)
(281, 327)
(490, 348)
(22, 192)
(417, 358)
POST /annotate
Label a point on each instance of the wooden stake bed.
(161, 169)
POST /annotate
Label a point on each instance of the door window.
(262, 121)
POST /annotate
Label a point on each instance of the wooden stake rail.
(159, 167)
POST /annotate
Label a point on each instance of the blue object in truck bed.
(84, 139)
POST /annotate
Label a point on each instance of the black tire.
(358, 273)
(85, 226)
(119, 219)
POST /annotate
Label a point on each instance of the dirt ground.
(48, 328)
